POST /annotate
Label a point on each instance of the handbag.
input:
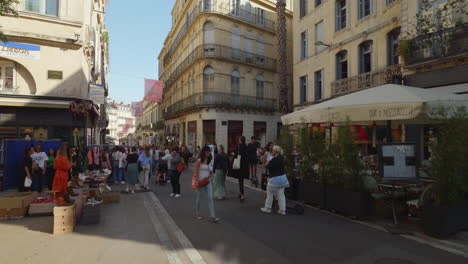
(27, 182)
(236, 164)
(204, 182)
(194, 182)
(181, 166)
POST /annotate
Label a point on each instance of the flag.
(137, 109)
(153, 91)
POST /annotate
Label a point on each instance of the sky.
(136, 36)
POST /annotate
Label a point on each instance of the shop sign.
(96, 93)
(55, 75)
(393, 112)
(20, 50)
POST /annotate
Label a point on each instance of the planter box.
(441, 222)
(349, 203)
(313, 193)
(292, 192)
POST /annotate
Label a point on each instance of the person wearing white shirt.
(39, 159)
(116, 170)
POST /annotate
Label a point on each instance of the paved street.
(155, 228)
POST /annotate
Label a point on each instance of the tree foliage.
(7, 9)
(312, 147)
(286, 141)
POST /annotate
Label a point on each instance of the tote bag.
(237, 163)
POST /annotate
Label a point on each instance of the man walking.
(39, 159)
(252, 159)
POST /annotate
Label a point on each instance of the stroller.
(161, 179)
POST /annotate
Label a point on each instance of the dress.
(132, 169)
(61, 165)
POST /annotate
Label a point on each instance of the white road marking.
(189, 249)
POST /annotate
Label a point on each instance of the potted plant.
(311, 146)
(447, 213)
(346, 192)
(286, 141)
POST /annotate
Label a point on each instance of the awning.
(385, 102)
(24, 102)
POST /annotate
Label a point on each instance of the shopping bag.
(236, 164)
(27, 182)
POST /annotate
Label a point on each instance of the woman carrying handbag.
(201, 183)
(240, 166)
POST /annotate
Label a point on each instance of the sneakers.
(199, 217)
(177, 195)
(215, 219)
(281, 212)
(265, 210)
(172, 194)
(133, 192)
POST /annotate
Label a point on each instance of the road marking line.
(189, 249)
(162, 235)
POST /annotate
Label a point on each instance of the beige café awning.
(385, 102)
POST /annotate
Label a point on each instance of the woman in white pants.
(277, 182)
(145, 161)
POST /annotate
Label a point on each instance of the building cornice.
(45, 40)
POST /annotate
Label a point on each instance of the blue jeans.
(115, 171)
(209, 192)
(122, 175)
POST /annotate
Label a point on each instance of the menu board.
(398, 161)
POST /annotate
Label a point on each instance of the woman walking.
(50, 172)
(132, 170)
(62, 166)
(27, 169)
(172, 161)
(221, 166)
(243, 171)
(277, 182)
(202, 176)
(145, 161)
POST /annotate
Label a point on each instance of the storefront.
(235, 131)
(209, 132)
(192, 133)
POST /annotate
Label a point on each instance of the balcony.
(222, 52)
(366, 80)
(220, 100)
(439, 45)
(243, 15)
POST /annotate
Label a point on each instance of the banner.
(20, 50)
(137, 109)
(153, 90)
(96, 93)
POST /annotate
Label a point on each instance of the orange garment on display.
(61, 165)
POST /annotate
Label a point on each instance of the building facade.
(56, 52)
(341, 46)
(219, 66)
(121, 121)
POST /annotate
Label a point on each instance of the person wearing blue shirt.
(145, 160)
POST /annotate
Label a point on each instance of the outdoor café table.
(393, 187)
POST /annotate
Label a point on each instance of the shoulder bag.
(237, 161)
(181, 166)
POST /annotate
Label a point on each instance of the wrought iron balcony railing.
(438, 45)
(366, 80)
(243, 14)
(220, 100)
(223, 52)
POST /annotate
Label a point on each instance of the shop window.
(365, 57)
(342, 65)
(209, 132)
(235, 130)
(43, 7)
(260, 132)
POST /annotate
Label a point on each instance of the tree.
(6, 9)
(283, 62)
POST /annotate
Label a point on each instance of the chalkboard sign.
(398, 161)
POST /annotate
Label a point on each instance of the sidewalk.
(134, 229)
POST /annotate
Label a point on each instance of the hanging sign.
(20, 50)
(96, 93)
(153, 90)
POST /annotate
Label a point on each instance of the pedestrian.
(172, 161)
(116, 175)
(278, 181)
(132, 170)
(145, 161)
(123, 167)
(106, 162)
(186, 155)
(50, 172)
(243, 171)
(39, 167)
(221, 166)
(155, 160)
(252, 159)
(202, 176)
(62, 166)
(27, 169)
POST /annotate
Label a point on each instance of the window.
(208, 79)
(303, 45)
(318, 2)
(365, 7)
(340, 20)
(207, 4)
(303, 90)
(44, 7)
(260, 89)
(365, 57)
(260, 16)
(208, 38)
(248, 11)
(248, 43)
(319, 38)
(235, 7)
(392, 47)
(318, 87)
(302, 8)
(260, 50)
(389, 1)
(342, 65)
(235, 82)
(235, 42)
(7, 77)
